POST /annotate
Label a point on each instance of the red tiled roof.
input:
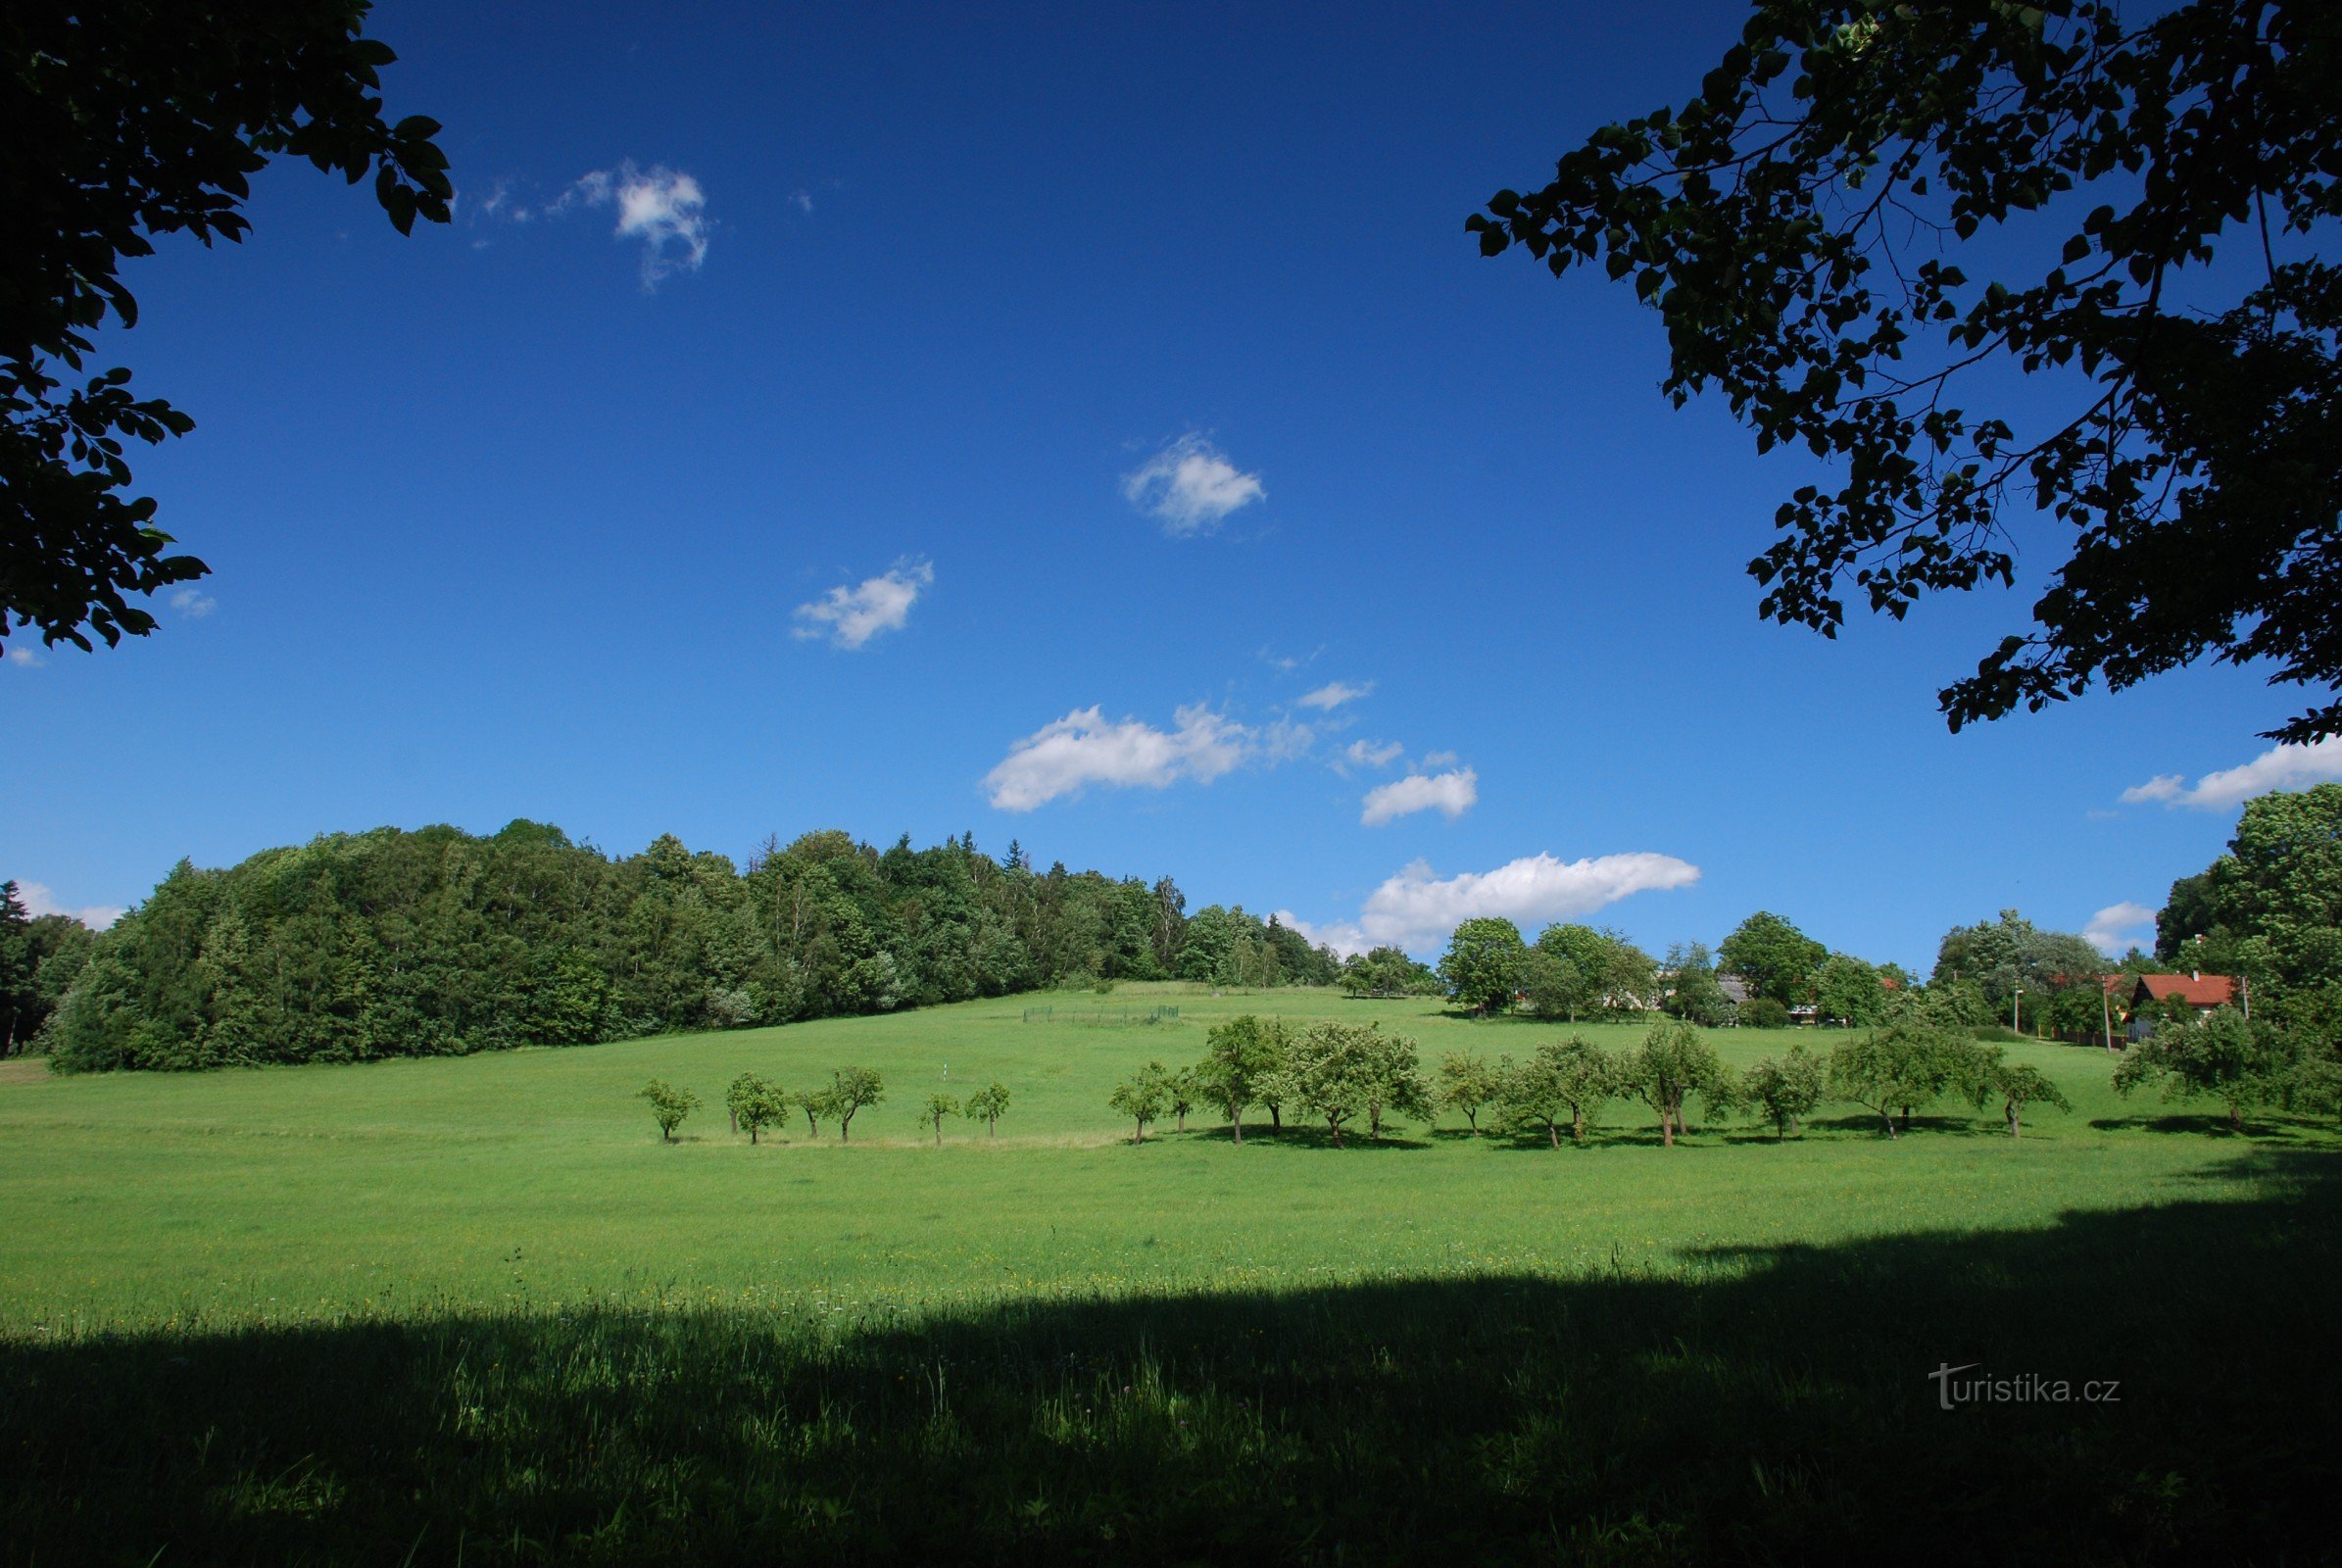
(2196, 990)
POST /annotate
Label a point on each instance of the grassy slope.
(476, 1301)
(536, 1175)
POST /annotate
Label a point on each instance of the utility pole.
(2015, 996)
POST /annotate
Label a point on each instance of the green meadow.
(419, 1309)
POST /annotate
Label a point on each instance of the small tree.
(669, 1105)
(937, 1108)
(1786, 1090)
(1182, 1091)
(1907, 1064)
(1338, 1071)
(1566, 1081)
(1240, 1056)
(2226, 1056)
(992, 1104)
(2017, 1087)
(818, 1104)
(1465, 1084)
(1142, 1097)
(1673, 1062)
(754, 1103)
(851, 1089)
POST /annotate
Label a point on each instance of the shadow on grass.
(1760, 1405)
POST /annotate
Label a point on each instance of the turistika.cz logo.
(2025, 1388)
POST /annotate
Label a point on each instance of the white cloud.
(1189, 486)
(1373, 754)
(1333, 694)
(1449, 794)
(850, 617)
(40, 900)
(1286, 740)
(27, 657)
(2117, 926)
(1083, 749)
(193, 602)
(1438, 759)
(803, 200)
(663, 208)
(2280, 767)
(1418, 911)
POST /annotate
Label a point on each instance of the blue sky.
(890, 419)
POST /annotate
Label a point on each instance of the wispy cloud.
(663, 208)
(1417, 910)
(1449, 794)
(25, 658)
(2118, 926)
(40, 900)
(2280, 767)
(1438, 759)
(850, 617)
(1190, 487)
(1333, 693)
(1082, 749)
(1373, 754)
(194, 603)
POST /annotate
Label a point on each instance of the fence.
(1105, 1018)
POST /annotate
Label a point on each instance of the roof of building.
(2196, 990)
(1735, 990)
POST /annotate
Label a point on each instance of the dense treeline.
(437, 942)
(40, 956)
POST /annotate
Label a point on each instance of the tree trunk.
(2012, 1114)
(1236, 1120)
(1578, 1125)
(1276, 1118)
(1667, 1127)
(1182, 1122)
(2236, 1119)
(1553, 1131)
(1887, 1116)
(1471, 1119)
(992, 1126)
(1336, 1127)
(752, 1137)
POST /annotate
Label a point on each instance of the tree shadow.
(1755, 1404)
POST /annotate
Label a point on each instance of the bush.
(1762, 1012)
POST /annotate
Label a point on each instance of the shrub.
(1762, 1012)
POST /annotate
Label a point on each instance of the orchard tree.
(1142, 1097)
(1239, 1058)
(2018, 1086)
(940, 1107)
(1180, 1089)
(1333, 1072)
(1396, 1086)
(1567, 1081)
(1673, 1062)
(754, 1103)
(1786, 1089)
(1803, 226)
(1484, 963)
(992, 1104)
(669, 1104)
(1465, 1084)
(1773, 957)
(851, 1090)
(128, 121)
(1905, 1065)
(1566, 970)
(2238, 1062)
(818, 1104)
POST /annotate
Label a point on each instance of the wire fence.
(1105, 1018)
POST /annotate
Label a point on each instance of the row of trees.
(437, 942)
(755, 1102)
(1338, 1073)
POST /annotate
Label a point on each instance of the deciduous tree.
(1483, 963)
(851, 1090)
(1802, 229)
(669, 1104)
(128, 121)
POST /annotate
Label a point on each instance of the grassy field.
(417, 1309)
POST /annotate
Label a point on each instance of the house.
(1735, 990)
(2200, 991)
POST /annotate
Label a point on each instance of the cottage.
(2199, 990)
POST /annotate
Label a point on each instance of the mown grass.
(403, 1312)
